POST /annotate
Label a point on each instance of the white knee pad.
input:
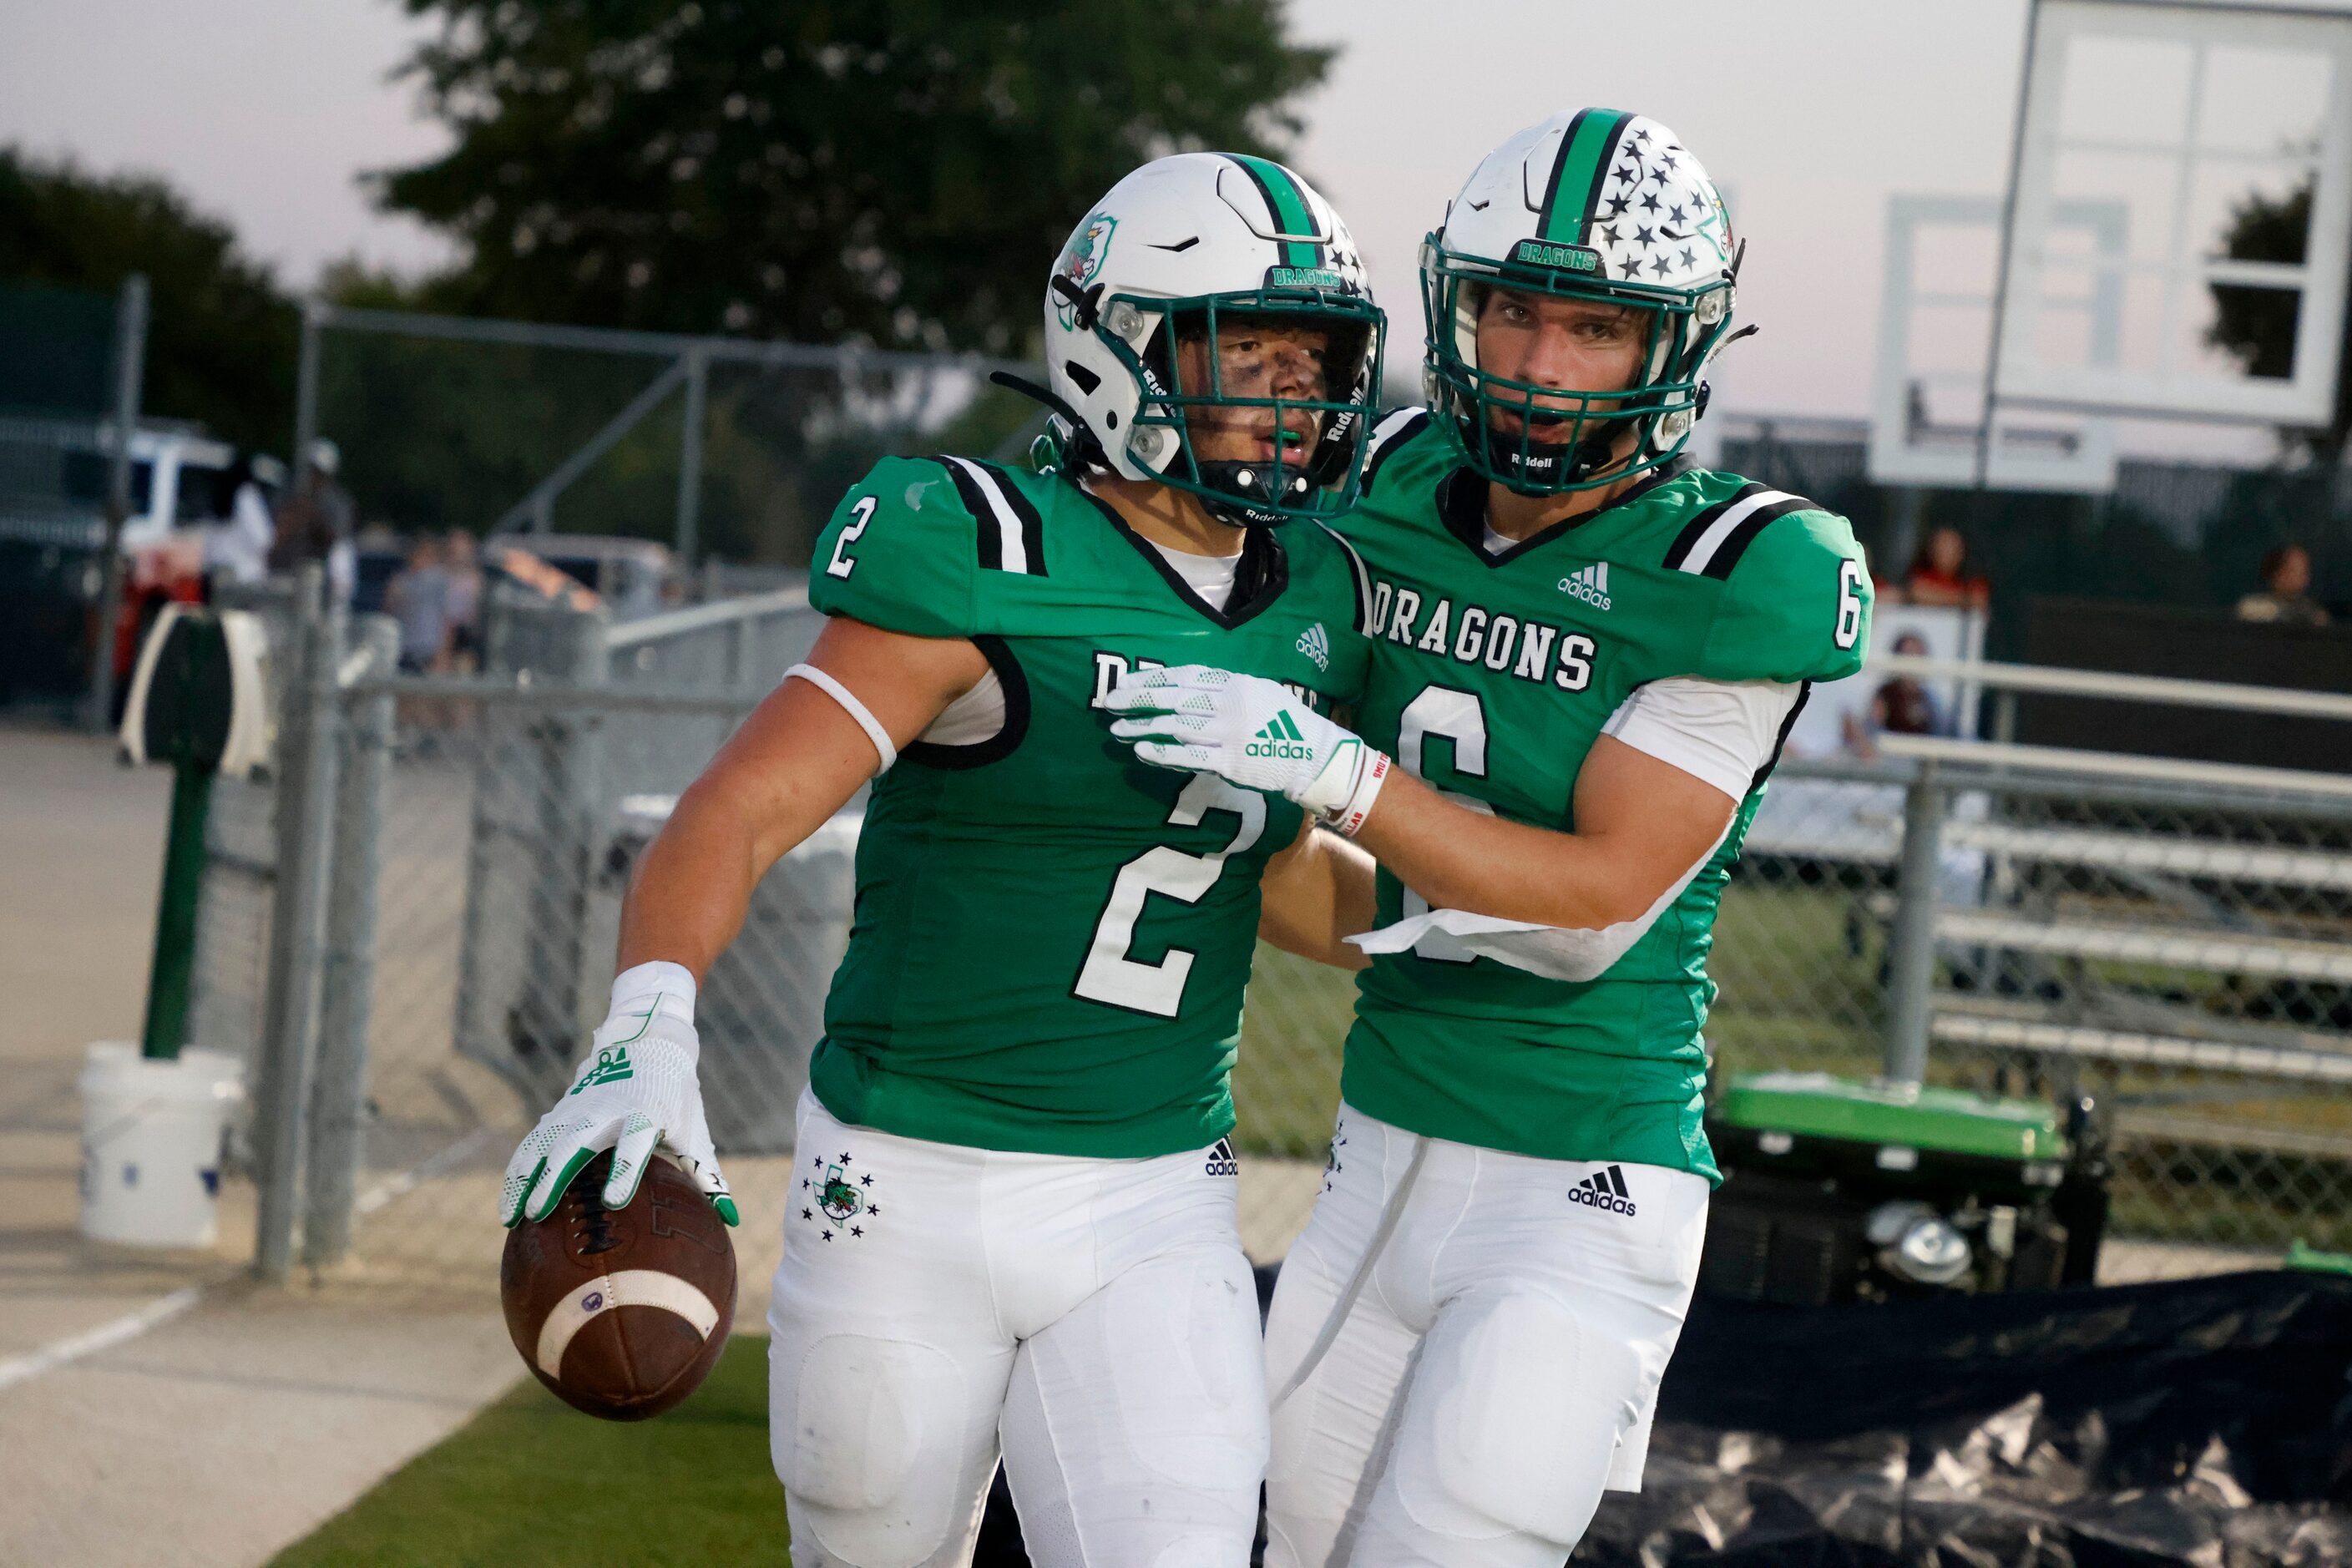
(868, 1435)
(1513, 1421)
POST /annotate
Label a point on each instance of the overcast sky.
(1809, 112)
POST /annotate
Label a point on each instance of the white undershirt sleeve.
(1721, 732)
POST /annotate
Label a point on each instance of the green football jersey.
(1491, 675)
(1051, 938)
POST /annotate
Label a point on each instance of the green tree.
(221, 332)
(2257, 326)
(894, 171)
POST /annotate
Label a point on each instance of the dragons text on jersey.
(1051, 938)
(1492, 673)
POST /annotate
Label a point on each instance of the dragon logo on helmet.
(1088, 248)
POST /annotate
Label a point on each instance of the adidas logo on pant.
(1221, 1160)
(1589, 584)
(1604, 1190)
(1280, 738)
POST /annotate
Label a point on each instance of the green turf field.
(532, 1483)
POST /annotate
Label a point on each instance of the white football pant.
(1093, 1318)
(1499, 1364)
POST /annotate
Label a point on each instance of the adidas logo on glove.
(1591, 584)
(1603, 1190)
(1280, 738)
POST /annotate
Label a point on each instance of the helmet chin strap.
(1589, 456)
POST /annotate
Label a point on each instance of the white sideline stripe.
(1011, 551)
(1721, 528)
(106, 1336)
(629, 1288)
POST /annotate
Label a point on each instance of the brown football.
(621, 1311)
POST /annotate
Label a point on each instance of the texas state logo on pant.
(837, 1199)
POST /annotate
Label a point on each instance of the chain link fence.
(722, 447)
(2172, 940)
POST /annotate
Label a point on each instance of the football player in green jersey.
(1012, 1227)
(1586, 654)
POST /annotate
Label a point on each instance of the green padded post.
(176, 916)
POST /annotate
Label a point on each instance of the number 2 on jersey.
(841, 565)
(1109, 975)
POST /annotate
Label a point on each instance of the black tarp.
(2204, 1422)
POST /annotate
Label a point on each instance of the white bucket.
(151, 1144)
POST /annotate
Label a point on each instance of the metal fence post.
(306, 385)
(566, 819)
(689, 460)
(1911, 949)
(130, 372)
(338, 1103)
(297, 916)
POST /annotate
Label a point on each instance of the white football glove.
(636, 1090)
(1250, 732)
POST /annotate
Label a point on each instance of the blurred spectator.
(315, 523)
(236, 544)
(463, 654)
(1902, 705)
(549, 582)
(2286, 590)
(1940, 574)
(418, 598)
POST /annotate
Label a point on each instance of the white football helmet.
(1180, 245)
(1593, 204)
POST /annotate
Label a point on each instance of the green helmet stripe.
(1577, 174)
(1287, 206)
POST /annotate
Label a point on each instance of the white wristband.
(1371, 772)
(673, 983)
(854, 708)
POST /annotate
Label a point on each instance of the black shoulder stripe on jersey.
(1727, 555)
(1695, 529)
(1012, 535)
(1032, 521)
(1804, 691)
(1015, 682)
(1388, 436)
(1363, 580)
(984, 515)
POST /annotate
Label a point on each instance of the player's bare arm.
(795, 761)
(1641, 825)
(1317, 894)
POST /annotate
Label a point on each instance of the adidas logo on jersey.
(1315, 645)
(1280, 738)
(1589, 584)
(1221, 1160)
(1603, 1190)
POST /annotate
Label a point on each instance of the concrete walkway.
(241, 1423)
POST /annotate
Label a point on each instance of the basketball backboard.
(1934, 333)
(2182, 115)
